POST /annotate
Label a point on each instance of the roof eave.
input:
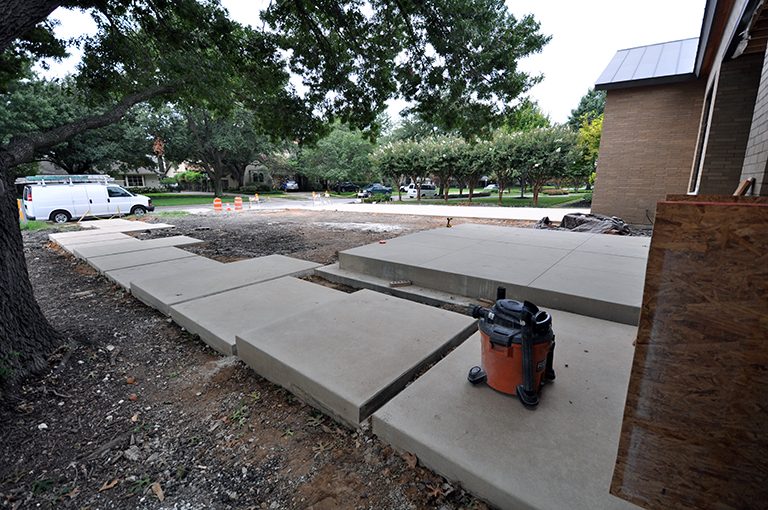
(659, 80)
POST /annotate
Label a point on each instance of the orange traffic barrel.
(238, 203)
(217, 204)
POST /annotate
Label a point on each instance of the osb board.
(717, 198)
(695, 430)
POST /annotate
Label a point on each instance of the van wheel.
(60, 216)
(138, 210)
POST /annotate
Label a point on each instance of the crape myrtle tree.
(546, 155)
(456, 61)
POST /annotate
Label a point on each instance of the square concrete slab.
(349, 356)
(99, 250)
(559, 456)
(218, 319)
(69, 245)
(137, 258)
(162, 293)
(80, 235)
(590, 274)
(187, 265)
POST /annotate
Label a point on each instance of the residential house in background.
(688, 116)
(137, 178)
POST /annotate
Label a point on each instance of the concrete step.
(69, 245)
(186, 265)
(87, 251)
(559, 456)
(162, 293)
(351, 355)
(591, 274)
(218, 319)
(427, 296)
(108, 263)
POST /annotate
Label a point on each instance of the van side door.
(98, 200)
(80, 200)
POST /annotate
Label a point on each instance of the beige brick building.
(686, 116)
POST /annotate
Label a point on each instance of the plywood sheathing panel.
(695, 430)
(717, 199)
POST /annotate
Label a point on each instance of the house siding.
(729, 132)
(647, 148)
(756, 158)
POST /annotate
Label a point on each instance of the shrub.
(144, 191)
(555, 191)
(377, 198)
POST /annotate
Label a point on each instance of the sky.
(585, 36)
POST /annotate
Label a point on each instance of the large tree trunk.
(26, 338)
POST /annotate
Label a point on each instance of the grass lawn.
(544, 200)
(35, 225)
(170, 214)
(164, 199)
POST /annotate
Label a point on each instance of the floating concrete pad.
(560, 456)
(351, 355)
(162, 293)
(217, 319)
(137, 258)
(99, 250)
(592, 274)
(69, 245)
(188, 266)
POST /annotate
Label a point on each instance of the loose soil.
(137, 413)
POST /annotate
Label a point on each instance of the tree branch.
(22, 149)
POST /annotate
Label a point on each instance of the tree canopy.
(591, 106)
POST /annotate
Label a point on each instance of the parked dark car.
(374, 189)
(342, 187)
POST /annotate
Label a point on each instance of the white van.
(62, 202)
(427, 191)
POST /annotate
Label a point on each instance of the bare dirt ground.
(137, 413)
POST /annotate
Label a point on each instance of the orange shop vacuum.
(518, 347)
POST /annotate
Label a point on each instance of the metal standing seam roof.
(667, 62)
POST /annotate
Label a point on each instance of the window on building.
(261, 177)
(134, 181)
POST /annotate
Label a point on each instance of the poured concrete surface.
(189, 266)
(559, 456)
(137, 258)
(349, 356)
(162, 293)
(88, 251)
(217, 319)
(591, 274)
(69, 245)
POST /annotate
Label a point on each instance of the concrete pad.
(106, 223)
(217, 319)
(99, 250)
(70, 244)
(162, 293)
(559, 456)
(137, 258)
(344, 357)
(591, 274)
(187, 265)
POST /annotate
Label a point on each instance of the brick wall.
(647, 148)
(732, 109)
(756, 158)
